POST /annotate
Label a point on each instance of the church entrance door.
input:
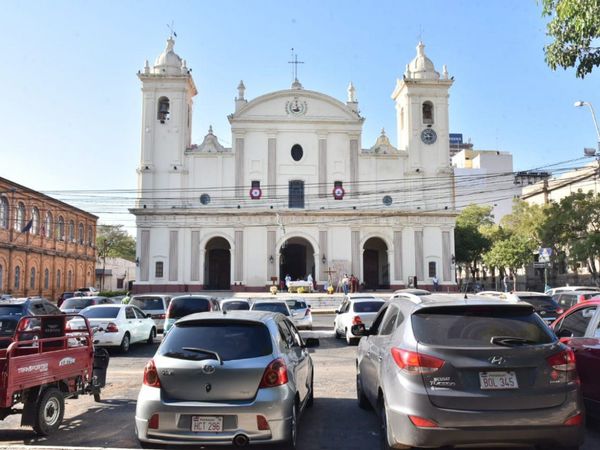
(296, 259)
(376, 268)
(217, 267)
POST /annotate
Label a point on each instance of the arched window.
(35, 224)
(163, 109)
(428, 113)
(3, 212)
(71, 231)
(17, 277)
(69, 280)
(58, 279)
(90, 236)
(48, 225)
(20, 222)
(32, 278)
(80, 233)
(46, 278)
(60, 230)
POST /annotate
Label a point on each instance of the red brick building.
(46, 246)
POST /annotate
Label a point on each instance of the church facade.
(297, 193)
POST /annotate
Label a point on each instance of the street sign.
(541, 265)
(545, 254)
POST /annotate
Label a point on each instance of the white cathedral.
(297, 193)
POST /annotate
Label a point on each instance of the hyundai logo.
(498, 360)
(208, 369)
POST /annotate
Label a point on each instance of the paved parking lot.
(334, 422)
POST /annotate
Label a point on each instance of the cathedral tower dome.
(168, 62)
(421, 67)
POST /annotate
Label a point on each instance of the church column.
(398, 255)
(195, 257)
(173, 255)
(356, 253)
(239, 256)
(239, 167)
(272, 168)
(353, 167)
(144, 256)
(272, 268)
(323, 252)
(419, 255)
(323, 188)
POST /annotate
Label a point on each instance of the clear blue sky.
(70, 110)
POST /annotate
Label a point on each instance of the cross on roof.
(295, 62)
(171, 27)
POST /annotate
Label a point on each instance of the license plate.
(498, 380)
(207, 424)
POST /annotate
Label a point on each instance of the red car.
(579, 328)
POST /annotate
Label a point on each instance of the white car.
(119, 325)
(571, 288)
(301, 313)
(355, 309)
(276, 306)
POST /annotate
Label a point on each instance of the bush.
(111, 293)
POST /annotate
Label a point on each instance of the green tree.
(575, 27)
(114, 241)
(470, 238)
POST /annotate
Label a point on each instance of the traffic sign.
(541, 265)
(545, 254)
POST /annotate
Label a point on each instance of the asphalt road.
(334, 422)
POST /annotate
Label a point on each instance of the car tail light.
(563, 361)
(415, 363)
(159, 316)
(112, 328)
(262, 424)
(153, 422)
(151, 375)
(356, 320)
(275, 374)
(421, 422)
(577, 419)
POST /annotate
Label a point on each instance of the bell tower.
(167, 93)
(421, 98)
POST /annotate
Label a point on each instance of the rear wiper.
(511, 341)
(202, 350)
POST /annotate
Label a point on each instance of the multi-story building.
(46, 246)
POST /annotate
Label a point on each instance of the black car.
(11, 312)
(543, 304)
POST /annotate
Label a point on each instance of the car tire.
(363, 401)
(49, 412)
(125, 343)
(383, 431)
(291, 442)
(350, 340)
(152, 336)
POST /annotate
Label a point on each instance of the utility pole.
(106, 244)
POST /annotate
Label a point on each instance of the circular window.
(297, 152)
(387, 200)
(205, 199)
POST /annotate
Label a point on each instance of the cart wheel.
(97, 398)
(49, 412)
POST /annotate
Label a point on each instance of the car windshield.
(296, 304)
(230, 340)
(469, 326)
(101, 313)
(183, 306)
(271, 307)
(539, 301)
(148, 303)
(235, 306)
(367, 307)
(77, 303)
(11, 310)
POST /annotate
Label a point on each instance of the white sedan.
(119, 325)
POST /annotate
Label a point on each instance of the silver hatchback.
(442, 370)
(223, 378)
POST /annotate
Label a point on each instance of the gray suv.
(442, 370)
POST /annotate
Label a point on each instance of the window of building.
(163, 109)
(17, 277)
(35, 221)
(158, 269)
(71, 231)
(296, 194)
(432, 269)
(90, 236)
(120, 283)
(60, 230)
(32, 278)
(69, 280)
(297, 152)
(46, 278)
(3, 212)
(80, 233)
(20, 222)
(255, 184)
(58, 279)
(48, 225)
(428, 113)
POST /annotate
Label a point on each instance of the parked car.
(276, 306)
(579, 328)
(87, 291)
(567, 299)
(301, 314)
(412, 291)
(448, 371)
(235, 304)
(118, 325)
(355, 309)
(543, 304)
(571, 288)
(75, 304)
(12, 310)
(495, 294)
(220, 379)
(154, 304)
(63, 297)
(4, 297)
(184, 305)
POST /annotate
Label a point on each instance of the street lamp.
(580, 104)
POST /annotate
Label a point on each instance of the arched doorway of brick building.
(217, 264)
(296, 259)
(376, 268)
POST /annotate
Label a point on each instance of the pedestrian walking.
(345, 283)
(436, 283)
(505, 282)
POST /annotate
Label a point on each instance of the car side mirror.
(565, 333)
(311, 342)
(337, 311)
(359, 330)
